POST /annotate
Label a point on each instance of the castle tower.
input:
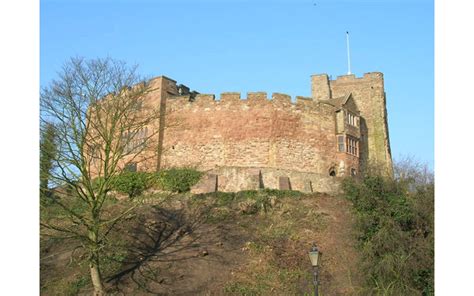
(161, 88)
(369, 95)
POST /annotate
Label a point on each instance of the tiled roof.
(337, 102)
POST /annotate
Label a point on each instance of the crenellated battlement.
(281, 100)
(183, 99)
(204, 99)
(234, 100)
(366, 76)
(305, 102)
(257, 96)
(230, 97)
(322, 87)
(372, 80)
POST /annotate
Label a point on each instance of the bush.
(252, 200)
(396, 234)
(132, 183)
(177, 179)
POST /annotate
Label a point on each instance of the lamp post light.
(315, 257)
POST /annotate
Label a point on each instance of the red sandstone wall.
(256, 132)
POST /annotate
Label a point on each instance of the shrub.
(132, 183)
(177, 179)
(395, 232)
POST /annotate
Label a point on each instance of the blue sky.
(272, 46)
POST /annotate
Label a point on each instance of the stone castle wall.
(254, 141)
(275, 135)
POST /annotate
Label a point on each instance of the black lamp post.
(315, 257)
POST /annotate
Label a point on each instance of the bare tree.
(101, 123)
(412, 171)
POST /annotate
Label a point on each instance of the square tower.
(369, 95)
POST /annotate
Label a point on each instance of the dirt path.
(339, 264)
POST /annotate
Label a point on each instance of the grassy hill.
(377, 239)
(247, 243)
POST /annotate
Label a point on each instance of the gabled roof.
(346, 101)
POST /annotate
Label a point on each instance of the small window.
(332, 172)
(340, 143)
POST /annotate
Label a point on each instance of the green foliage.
(75, 286)
(132, 183)
(177, 179)
(267, 279)
(224, 198)
(396, 234)
(239, 288)
(227, 197)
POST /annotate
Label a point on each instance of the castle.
(259, 142)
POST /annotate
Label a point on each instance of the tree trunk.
(94, 264)
(96, 280)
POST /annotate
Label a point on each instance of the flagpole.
(348, 54)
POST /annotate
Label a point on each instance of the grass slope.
(247, 243)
